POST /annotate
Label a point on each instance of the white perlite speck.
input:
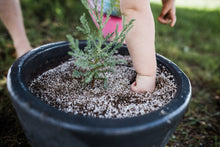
(57, 88)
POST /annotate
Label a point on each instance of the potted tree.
(47, 126)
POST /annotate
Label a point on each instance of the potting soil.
(59, 89)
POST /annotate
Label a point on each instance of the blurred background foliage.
(193, 44)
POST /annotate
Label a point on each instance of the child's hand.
(168, 13)
(143, 84)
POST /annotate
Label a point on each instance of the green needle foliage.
(97, 57)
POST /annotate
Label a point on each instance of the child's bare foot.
(143, 84)
(21, 49)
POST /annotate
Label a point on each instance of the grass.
(195, 4)
(193, 44)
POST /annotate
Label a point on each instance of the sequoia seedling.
(97, 57)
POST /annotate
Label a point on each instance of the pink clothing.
(110, 25)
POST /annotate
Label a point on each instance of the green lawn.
(195, 4)
(193, 44)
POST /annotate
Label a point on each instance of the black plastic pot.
(47, 126)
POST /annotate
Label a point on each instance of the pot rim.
(20, 95)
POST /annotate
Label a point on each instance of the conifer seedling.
(96, 59)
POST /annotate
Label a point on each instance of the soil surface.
(59, 89)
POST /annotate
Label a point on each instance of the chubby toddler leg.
(141, 43)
